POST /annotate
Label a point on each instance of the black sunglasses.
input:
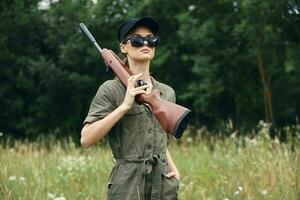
(138, 41)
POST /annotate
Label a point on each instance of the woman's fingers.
(132, 91)
(170, 174)
(173, 174)
(132, 80)
(140, 88)
(138, 92)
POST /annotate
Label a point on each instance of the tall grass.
(211, 168)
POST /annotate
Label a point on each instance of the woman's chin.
(146, 57)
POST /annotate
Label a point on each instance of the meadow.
(231, 168)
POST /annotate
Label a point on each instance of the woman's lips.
(145, 50)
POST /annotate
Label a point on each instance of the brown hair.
(125, 60)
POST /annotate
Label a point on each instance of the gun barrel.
(90, 36)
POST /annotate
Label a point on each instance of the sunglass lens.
(152, 41)
(137, 41)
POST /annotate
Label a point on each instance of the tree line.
(232, 60)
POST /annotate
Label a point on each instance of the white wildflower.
(60, 198)
(50, 195)
(240, 188)
(237, 192)
(12, 178)
(233, 135)
(253, 141)
(264, 192)
(189, 140)
(21, 178)
(276, 141)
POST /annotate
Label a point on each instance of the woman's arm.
(91, 133)
(172, 167)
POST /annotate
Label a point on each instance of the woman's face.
(143, 53)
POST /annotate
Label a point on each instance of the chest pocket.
(133, 121)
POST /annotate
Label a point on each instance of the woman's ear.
(123, 48)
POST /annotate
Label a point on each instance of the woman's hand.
(174, 173)
(132, 91)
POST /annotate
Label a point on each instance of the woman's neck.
(140, 67)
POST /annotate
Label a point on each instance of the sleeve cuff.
(92, 119)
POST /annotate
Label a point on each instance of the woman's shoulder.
(162, 86)
(112, 84)
(166, 90)
(113, 89)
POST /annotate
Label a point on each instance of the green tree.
(226, 59)
(236, 50)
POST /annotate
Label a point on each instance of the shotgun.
(172, 117)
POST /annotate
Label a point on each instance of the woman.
(144, 167)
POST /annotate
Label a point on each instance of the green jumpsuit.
(138, 144)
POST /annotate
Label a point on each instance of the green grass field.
(228, 169)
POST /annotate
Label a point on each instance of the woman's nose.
(145, 42)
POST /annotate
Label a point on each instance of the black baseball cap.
(129, 24)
